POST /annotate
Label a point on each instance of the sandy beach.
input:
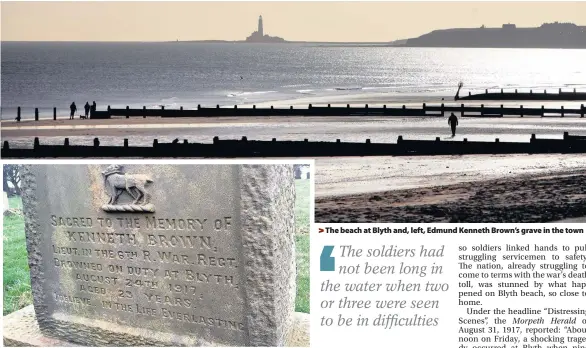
(530, 198)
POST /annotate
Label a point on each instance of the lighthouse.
(260, 31)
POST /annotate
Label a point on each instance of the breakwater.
(502, 95)
(253, 148)
(424, 111)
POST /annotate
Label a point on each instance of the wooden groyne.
(253, 148)
(502, 95)
(324, 111)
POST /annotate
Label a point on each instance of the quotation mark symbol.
(327, 263)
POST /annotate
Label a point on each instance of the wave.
(242, 94)
(347, 88)
(294, 86)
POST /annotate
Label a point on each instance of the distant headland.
(548, 35)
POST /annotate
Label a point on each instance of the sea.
(53, 74)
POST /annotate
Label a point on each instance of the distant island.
(548, 35)
(256, 37)
(259, 36)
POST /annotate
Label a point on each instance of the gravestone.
(5, 205)
(162, 254)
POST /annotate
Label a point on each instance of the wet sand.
(533, 198)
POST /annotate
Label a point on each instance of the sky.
(294, 21)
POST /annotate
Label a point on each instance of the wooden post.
(143, 111)
(6, 145)
(181, 108)
(462, 107)
(481, 109)
(54, 113)
(545, 91)
(501, 91)
(329, 105)
(198, 107)
(36, 143)
(501, 110)
(469, 93)
(127, 111)
(18, 114)
(562, 111)
(254, 106)
(521, 108)
(581, 110)
(217, 106)
(530, 91)
(309, 106)
(442, 109)
(566, 136)
(272, 107)
(560, 91)
(66, 142)
(244, 138)
(348, 106)
(532, 137)
(155, 142)
(235, 106)
(486, 91)
(515, 91)
(542, 111)
(125, 142)
(96, 142)
(36, 114)
(162, 107)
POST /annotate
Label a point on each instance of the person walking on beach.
(73, 109)
(453, 122)
(87, 109)
(93, 108)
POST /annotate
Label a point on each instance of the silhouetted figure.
(87, 109)
(453, 122)
(73, 109)
(93, 109)
(17, 118)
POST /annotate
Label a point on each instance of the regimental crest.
(117, 182)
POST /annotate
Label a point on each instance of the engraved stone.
(214, 265)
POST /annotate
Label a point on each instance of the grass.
(302, 258)
(302, 189)
(17, 284)
(17, 288)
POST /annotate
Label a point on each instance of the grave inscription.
(104, 258)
